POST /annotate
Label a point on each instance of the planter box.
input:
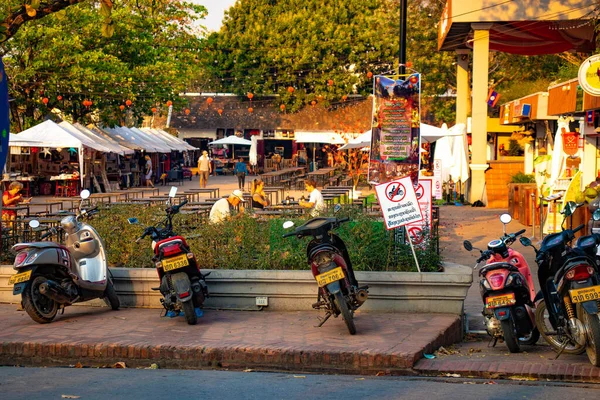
(430, 292)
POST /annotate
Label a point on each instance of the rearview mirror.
(596, 215)
(173, 192)
(569, 209)
(337, 208)
(468, 246)
(34, 223)
(288, 224)
(133, 221)
(85, 194)
(505, 218)
(525, 241)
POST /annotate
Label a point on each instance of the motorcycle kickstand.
(323, 320)
(562, 348)
(495, 340)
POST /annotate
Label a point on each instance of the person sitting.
(11, 198)
(259, 198)
(222, 208)
(315, 201)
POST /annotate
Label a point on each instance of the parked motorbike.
(182, 285)
(567, 306)
(52, 276)
(507, 291)
(339, 292)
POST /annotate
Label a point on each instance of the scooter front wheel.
(40, 308)
(342, 306)
(592, 327)
(556, 341)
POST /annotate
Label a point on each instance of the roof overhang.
(526, 27)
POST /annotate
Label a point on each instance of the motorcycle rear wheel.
(342, 306)
(110, 296)
(40, 308)
(189, 312)
(592, 327)
(542, 322)
(510, 335)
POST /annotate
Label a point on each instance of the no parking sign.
(423, 194)
(398, 202)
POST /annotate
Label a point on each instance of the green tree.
(62, 61)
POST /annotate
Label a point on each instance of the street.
(92, 383)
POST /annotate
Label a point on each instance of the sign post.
(399, 206)
(4, 127)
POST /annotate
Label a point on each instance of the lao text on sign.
(398, 202)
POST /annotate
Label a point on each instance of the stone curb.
(509, 370)
(226, 357)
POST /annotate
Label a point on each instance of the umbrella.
(253, 151)
(318, 137)
(232, 140)
(363, 140)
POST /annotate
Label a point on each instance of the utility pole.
(403, 8)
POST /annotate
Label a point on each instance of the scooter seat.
(37, 245)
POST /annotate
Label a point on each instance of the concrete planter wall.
(433, 292)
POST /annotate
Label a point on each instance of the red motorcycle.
(339, 292)
(182, 284)
(507, 291)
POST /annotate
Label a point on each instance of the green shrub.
(251, 243)
(520, 177)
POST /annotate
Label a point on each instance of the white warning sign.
(398, 203)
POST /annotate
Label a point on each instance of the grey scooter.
(51, 275)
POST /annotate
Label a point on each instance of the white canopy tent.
(104, 139)
(127, 136)
(117, 137)
(152, 140)
(179, 144)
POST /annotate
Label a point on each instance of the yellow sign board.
(589, 75)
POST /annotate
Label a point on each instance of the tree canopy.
(62, 61)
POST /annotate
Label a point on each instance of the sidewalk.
(384, 344)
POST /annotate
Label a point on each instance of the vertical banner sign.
(398, 203)
(4, 123)
(418, 231)
(437, 179)
(395, 141)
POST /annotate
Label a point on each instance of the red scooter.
(507, 291)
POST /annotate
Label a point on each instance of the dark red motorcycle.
(339, 292)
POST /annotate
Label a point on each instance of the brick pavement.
(388, 343)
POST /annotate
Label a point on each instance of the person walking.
(315, 201)
(148, 171)
(204, 168)
(241, 170)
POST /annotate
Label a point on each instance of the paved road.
(91, 384)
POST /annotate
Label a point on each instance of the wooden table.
(213, 192)
(16, 209)
(320, 175)
(49, 204)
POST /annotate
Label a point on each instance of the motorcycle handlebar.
(50, 232)
(580, 227)
(288, 234)
(341, 221)
(522, 231)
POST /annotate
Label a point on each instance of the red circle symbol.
(420, 191)
(395, 191)
(416, 235)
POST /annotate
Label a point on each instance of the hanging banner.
(395, 141)
(4, 123)
(570, 142)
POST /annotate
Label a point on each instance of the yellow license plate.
(326, 278)
(500, 301)
(585, 294)
(18, 278)
(172, 263)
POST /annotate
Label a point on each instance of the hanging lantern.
(169, 103)
(409, 64)
(250, 109)
(153, 110)
(209, 101)
(45, 101)
(344, 98)
(282, 107)
(122, 107)
(330, 82)
(369, 74)
(87, 103)
(250, 96)
(59, 98)
(312, 103)
(290, 89)
(128, 103)
(220, 111)
(187, 111)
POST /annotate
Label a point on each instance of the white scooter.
(51, 275)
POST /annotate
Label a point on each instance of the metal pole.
(412, 248)
(533, 214)
(403, 9)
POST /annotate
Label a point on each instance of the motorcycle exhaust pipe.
(54, 291)
(361, 296)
